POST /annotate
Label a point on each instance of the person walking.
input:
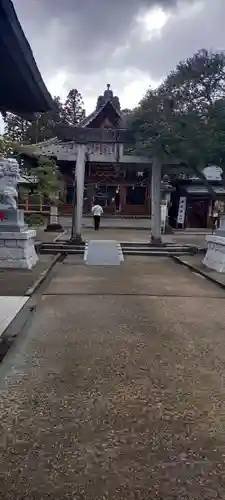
(97, 212)
(215, 216)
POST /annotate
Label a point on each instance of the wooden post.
(77, 215)
(156, 202)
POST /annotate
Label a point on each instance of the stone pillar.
(123, 193)
(53, 223)
(156, 202)
(80, 174)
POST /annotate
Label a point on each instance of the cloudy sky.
(129, 43)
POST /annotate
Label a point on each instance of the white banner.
(181, 210)
(163, 217)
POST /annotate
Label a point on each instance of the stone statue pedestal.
(215, 255)
(17, 250)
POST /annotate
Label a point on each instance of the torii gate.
(85, 136)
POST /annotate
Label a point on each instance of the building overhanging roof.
(22, 90)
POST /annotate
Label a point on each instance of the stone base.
(17, 250)
(13, 220)
(75, 240)
(215, 255)
(168, 229)
(155, 241)
(54, 228)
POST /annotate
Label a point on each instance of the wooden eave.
(22, 90)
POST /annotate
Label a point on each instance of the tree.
(8, 148)
(43, 125)
(197, 89)
(184, 116)
(39, 128)
(15, 127)
(48, 183)
(74, 110)
(197, 82)
(181, 122)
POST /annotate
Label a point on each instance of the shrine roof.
(22, 89)
(108, 109)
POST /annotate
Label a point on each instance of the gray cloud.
(80, 32)
(183, 35)
(82, 36)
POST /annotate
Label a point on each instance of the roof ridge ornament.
(108, 97)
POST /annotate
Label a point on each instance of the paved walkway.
(137, 223)
(132, 235)
(116, 388)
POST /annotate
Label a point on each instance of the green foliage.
(15, 127)
(185, 117)
(34, 220)
(126, 111)
(197, 82)
(8, 148)
(73, 109)
(47, 178)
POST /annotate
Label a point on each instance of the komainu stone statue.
(9, 178)
(17, 248)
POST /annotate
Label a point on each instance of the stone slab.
(103, 253)
(9, 308)
(215, 255)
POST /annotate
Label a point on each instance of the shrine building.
(117, 180)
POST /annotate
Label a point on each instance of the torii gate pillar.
(156, 202)
(77, 215)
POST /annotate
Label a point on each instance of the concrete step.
(169, 249)
(151, 252)
(149, 247)
(140, 246)
(154, 252)
(126, 248)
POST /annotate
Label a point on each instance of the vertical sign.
(182, 210)
(163, 216)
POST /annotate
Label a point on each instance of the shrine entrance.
(107, 194)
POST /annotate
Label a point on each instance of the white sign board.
(182, 210)
(213, 173)
(163, 217)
